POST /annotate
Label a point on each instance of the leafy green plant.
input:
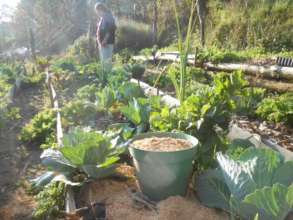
(128, 91)
(63, 65)
(136, 69)
(249, 100)
(80, 112)
(138, 112)
(206, 115)
(86, 152)
(88, 92)
(50, 201)
(7, 72)
(106, 99)
(258, 182)
(277, 109)
(117, 77)
(40, 129)
(184, 49)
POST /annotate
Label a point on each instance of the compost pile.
(162, 144)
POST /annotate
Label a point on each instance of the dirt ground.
(120, 205)
(18, 163)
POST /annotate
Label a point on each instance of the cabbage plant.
(83, 153)
(259, 183)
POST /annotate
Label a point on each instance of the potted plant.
(163, 163)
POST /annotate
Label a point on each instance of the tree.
(201, 11)
(155, 21)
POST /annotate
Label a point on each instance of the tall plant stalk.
(184, 48)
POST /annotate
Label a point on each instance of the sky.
(11, 3)
(7, 12)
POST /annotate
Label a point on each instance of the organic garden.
(193, 121)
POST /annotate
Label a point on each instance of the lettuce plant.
(259, 183)
(277, 109)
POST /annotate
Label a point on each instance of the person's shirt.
(106, 25)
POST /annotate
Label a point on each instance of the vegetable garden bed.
(116, 194)
(104, 112)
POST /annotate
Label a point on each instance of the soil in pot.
(162, 144)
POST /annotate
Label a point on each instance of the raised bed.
(235, 131)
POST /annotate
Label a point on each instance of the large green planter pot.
(163, 174)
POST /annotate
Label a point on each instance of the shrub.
(248, 24)
(80, 50)
(133, 35)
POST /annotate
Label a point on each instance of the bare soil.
(121, 206)
(18, 163)
(162, 144)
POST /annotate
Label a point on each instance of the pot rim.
(147, 134)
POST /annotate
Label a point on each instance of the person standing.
(106, 28)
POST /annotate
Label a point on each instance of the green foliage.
(84, 154)
(258, 182)
(40, 129)
(80, 112)
(106, 99)
(184, 49)
(90, 152)
(80, 50)
(164, 120)
(128, 91)
(124, 56)
(136, 69)
(162, 81)
(63, 65)
(133, 35)
(249, 100)
(217, 55)
(33, 79)
(50, 201)
(195, 78)
(6, 112)
(7, 72)
(203, 113)
(138, 113)
(117, 77)
(250, 24)
(88, 92)
(277, 109)
(78, 141)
